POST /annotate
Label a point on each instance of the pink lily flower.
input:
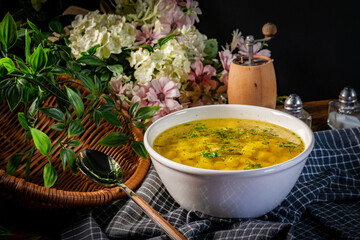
(162, 92)
(174, 19)
(202, 75)
(244, 50)
(226, 58)
(147, 36)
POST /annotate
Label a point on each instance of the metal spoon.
(104, 170)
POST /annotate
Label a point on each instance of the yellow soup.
(228, 144)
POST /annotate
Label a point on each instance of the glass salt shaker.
(293, 105)
(345, 112)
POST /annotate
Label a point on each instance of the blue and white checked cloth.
(324, 204)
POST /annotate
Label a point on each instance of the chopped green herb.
(210, 154)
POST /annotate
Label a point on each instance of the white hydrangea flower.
(169, 61)
(110, 31)
(139, 57)
(145, 72)
(178, 63)
(193, 42)
(141, 11)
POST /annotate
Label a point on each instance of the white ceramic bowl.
(229, 194)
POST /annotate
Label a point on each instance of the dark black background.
(316, 48)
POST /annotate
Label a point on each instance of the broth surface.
(228, 144)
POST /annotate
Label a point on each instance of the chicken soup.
(228, 144)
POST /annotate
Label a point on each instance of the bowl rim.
(252, 172)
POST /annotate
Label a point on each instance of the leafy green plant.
(31, 77)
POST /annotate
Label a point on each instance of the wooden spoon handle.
(153, 215)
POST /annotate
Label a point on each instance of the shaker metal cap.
(293, 103)
(348, 95)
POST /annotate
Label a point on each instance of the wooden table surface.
(27, 223)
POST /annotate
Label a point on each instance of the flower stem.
(125, 119)
(28, 162)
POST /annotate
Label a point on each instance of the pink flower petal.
(156, 86)
(168, 87)
(172, 105)
(172, 93)
(198, 68)
(210, 70)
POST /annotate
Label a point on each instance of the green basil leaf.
(117, 68)
(148, 47)
(33, 108)
(8, 32)
(97, 117)
(42, 141)
(23, 66)
(139, 125)
(50, 175)
(45, 71)
(27, 46)
(133, 108)
(75, 128)
(162, 41)
(52, 58)
(4, 83)
(146, 112)
(23, 121)
(68, 157)
(13, 163)
(55, 26)
(140, 149)
(28, 136)
(91, 97)
(73, 143)
(3, 71)
(13, 96)
(98, 83)
(68, 114)
(20, 33)
(26, 93)
(54, 113)
(38, 35)
(87, 81)
(61, 70)
(91, 51)
(8, 64)
(58, 126)
(112, 118)
(38, 59)
(114, 139)
(105, 76)
(105, 108)
(75, 101)
(64, 53)
(73, 66)
(109, 100)
(91, 60)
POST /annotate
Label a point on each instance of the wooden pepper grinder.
(252, 79)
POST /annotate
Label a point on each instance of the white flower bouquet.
(146, 53)
(165, 60)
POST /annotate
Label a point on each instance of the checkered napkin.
(324, 204)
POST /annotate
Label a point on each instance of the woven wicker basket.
(70, 190)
